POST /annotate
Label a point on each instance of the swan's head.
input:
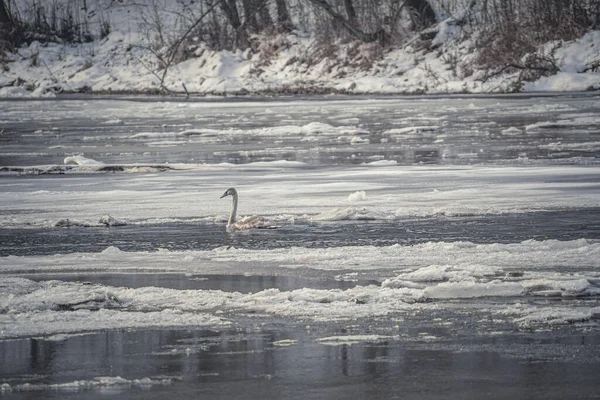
(229, 192)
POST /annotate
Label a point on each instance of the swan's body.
(109, 220)
(249, 222)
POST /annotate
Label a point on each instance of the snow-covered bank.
(120, 63)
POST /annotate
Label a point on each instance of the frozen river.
(427, 247)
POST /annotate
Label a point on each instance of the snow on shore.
(119, 63)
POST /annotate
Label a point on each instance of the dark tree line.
(251, 16)
(4, 17)
(254, 17)
(7, 30)
(232, 23)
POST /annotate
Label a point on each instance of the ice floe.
(353, 339)
(81, 160)
(409, 281)
(295, 191)
(105, 384)
(357, 196)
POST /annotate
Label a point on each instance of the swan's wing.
(109, 220)
(254, 221)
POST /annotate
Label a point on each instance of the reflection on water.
(434, 130)
(250, 364)
(504, 228)
(226, 283)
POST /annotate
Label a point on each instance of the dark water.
(45, 132)
(504, 228)
(248, 363)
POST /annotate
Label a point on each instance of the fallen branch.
(594, 66)
(171, 53)
(543, 65)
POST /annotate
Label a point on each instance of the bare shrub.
(268, 44)
(453, 61)
(53, 20)
(354, 55)
(529, 68)
(513, 28)
(363, 55)
(105, 27)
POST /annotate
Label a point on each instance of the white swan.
(249, 222)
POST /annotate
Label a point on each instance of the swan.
(249, 222)
(109, 220)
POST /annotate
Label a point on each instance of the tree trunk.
(250, 15)
(229, 7)
(366, 37)
(4, 17)
(422, 13)
(350, 12)
(7, 38)
(283, 16)
(264, 15)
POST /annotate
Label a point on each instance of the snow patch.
(349, 214)
(470, 290)
(347, 340)
(81, 160)
(382, 163)
(101, 383)
(357, 196)
(512, 131)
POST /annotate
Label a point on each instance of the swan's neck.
(233, 210)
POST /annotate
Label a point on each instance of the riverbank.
(121, 63)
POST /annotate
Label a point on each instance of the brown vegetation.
(512, 32)
(508, 32)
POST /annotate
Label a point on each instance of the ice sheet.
(410, 282)
(283, 190)
(104, 384)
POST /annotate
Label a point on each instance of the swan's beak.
(224, 194)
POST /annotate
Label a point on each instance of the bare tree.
(7, 30)
(230, 9)
(421, 12)
(263, 12)
(250, 20)
(173, 54)
(348, 25)
(283, 16)
(350, 12)
(4, 16)
(256, 15)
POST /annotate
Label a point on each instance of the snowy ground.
(542, 279)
